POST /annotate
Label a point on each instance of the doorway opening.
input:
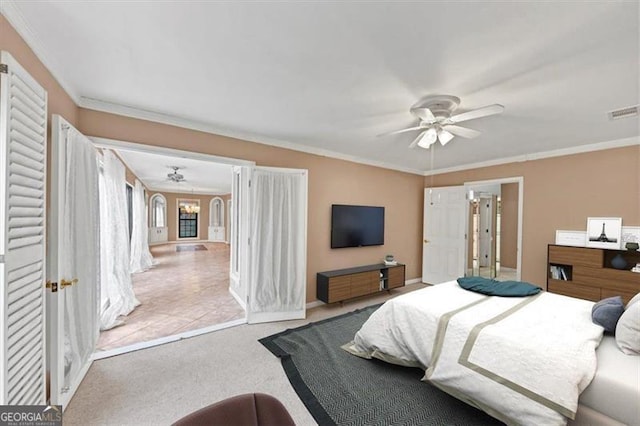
(186, 292)
(494, 228)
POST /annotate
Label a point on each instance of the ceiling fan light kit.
(444, 137)
(437, 121)
(427, 138)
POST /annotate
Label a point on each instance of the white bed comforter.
(522, 360)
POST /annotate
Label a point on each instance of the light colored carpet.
(159, 385)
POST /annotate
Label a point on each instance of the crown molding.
(186, 193)
(118, 146)
(156, 117)
(599, 146)
(10, 11)
(155, 149)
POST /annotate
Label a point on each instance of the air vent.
(631, 111)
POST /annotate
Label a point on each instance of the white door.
(72, 309)
(278, 245)
(23, 145)
(443, 245)
(239, 238)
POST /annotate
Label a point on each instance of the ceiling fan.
(175, 176)
(438, 121)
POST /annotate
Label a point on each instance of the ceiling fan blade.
(416, 140)
(395, 132)
(461, 131)
(424, 114)
(477, 113)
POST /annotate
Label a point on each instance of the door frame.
(515, 179)
(152, 149)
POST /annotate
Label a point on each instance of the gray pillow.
(607, 312)
(628, 330)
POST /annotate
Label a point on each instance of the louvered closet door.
(23, 130)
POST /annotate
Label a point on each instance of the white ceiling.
(328, 77)
(201, 177)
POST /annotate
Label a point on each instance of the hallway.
(187, 289)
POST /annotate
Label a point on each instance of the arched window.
(158, 211)
(216, 208)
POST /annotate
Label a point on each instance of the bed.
(523, 360)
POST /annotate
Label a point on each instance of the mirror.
(493, 224)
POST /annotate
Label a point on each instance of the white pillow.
(628, 330)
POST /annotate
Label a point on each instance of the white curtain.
(116, 295)
(141, 258)
(80, 252)
(278, 242)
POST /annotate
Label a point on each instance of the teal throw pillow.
(498, 288)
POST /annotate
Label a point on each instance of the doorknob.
(64, 283)
(426, 241)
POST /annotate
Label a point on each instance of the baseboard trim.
(241, 302)
(413, 281)
(163, 340)
(315, 304)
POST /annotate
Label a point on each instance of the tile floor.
(185, 290)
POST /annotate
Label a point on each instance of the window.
(130, 208)
(216, 217)
(188, 211)
(158, 211)
(188, 225)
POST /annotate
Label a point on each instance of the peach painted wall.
(331, 181)
(509, 225)
(561, 192)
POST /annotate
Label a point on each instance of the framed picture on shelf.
(630, 234)
(604, 232)
(571, 238)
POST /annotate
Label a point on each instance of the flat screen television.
(356, 226)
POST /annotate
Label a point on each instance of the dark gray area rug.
(340, 388)
(191, 247)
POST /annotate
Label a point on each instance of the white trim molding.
(118, 145)
(162, 340)
(185, 123)
(599, 146)
(154, 149)
(315, 304)
(14, 16)
(156, 117)
(9, 9)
